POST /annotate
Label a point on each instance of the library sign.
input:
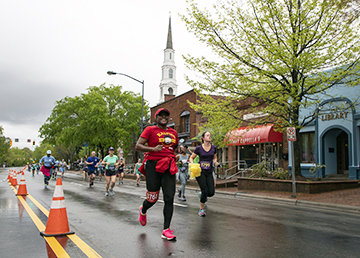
(334, 116)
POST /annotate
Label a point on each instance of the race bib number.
(205, 165)
(152, 196)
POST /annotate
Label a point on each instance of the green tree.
(4, 145)
(18, 157)
(352, 9)
(102, 117)
(280, 53)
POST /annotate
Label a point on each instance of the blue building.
(333, 137)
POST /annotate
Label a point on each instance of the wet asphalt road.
(234, 226)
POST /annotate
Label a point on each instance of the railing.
(241, 165)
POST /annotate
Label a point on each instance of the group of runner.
(54, 166)
(94, 166)
(160, 165)
(33, 166)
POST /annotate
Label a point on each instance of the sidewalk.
(350, 197)
(342, 199)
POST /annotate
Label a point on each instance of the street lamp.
(142, 98)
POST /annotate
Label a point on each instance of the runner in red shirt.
(160, 168)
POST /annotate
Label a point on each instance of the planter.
(257, 184)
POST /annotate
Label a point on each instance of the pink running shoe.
(168, 235)
(142, 217)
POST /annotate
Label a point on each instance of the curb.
(295, 202)
(338, 207)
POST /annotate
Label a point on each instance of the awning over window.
(259, 134)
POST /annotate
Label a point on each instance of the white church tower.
(168, 84)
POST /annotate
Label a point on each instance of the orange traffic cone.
(14, 180)
(9, 176)
(22, 186)
(57, 223)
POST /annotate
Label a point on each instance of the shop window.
(307, 147)
(249, 153)
(185, 121)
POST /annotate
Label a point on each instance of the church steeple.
(169, 38)
(168, 84)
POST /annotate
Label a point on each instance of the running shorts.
(109, 172)
(91, 172)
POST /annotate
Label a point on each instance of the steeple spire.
(168, 86)
(169, 37)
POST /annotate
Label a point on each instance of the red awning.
(259, 134)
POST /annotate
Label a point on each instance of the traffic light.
(33, 143)
(10, 142)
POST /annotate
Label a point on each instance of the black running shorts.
(110, 172)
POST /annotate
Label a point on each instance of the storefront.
(254, 145)
(332, 140)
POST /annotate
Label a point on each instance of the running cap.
(161, 109)
(111, 148)
(121, 158)
(48, 152)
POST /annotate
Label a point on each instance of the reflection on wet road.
(234, 226)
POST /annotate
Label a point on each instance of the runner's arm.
(193, 156)
(215, 160)
(140, 146)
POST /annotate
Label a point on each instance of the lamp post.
(142, 98)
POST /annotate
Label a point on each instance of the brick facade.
(179, 104)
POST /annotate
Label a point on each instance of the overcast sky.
(52, 49)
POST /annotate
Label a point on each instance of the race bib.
(206, 165)
(111, 168)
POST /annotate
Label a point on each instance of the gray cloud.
(50, 50)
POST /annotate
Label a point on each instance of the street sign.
(291, 134)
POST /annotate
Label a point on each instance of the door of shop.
(342, 153)
(269, 156)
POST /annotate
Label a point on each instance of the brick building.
(250, 146)
(182, 117)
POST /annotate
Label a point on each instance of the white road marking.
(176, 204)
(76, 184)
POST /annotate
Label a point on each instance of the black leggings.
(206, 184)
(155, 180)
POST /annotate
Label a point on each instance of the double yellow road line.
(52, 241)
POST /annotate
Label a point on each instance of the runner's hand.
(158, 148)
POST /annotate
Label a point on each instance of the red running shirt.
(167, 138)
